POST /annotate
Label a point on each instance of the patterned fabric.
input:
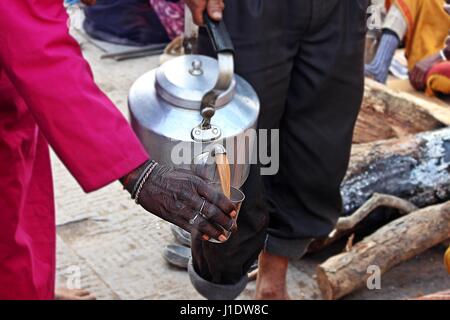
(171, 15)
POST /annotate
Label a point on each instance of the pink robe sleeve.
(46, 66)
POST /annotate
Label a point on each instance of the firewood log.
(394, 243)
(387, 113)
(347, 225)
(414, 168)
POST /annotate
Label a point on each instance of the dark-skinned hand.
(176, 195)
(418, 75)
(198, 7)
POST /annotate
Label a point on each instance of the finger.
(82, 292)
(88, 297)
(205, 228)
(209, 210)
(215, 8)
(198, 17)
(184, 224)
(213, 196)
(197, 9)
(214, 214)
(183, 221)
(192, 231)
(199, 227)
(217, 198)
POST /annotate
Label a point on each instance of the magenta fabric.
(171, 15)
(48, 96)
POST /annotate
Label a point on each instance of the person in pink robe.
(48, 97)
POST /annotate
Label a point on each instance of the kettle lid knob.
(196, 68)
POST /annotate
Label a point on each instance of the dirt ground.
(115, 248)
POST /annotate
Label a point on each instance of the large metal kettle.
(194, 106)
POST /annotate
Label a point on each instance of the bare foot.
(271, 278)
(252, 275)
(73, 294)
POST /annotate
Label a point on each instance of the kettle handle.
(218, 33)
(223, 46)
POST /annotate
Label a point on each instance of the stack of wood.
(401, 160)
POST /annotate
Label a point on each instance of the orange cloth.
(428, 26)
(438, 80)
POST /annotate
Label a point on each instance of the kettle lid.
(185, 80)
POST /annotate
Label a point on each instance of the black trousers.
(305, 60)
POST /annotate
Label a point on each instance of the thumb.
(215, 8)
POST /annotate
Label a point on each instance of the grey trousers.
(305, 60)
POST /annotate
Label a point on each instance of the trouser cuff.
(293, 249)
(213, 291)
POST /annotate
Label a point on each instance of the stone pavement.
(116, 247)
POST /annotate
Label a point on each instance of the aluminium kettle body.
(193, 106)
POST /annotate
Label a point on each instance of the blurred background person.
(424, 26)
(135, 22)
(125, 22)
